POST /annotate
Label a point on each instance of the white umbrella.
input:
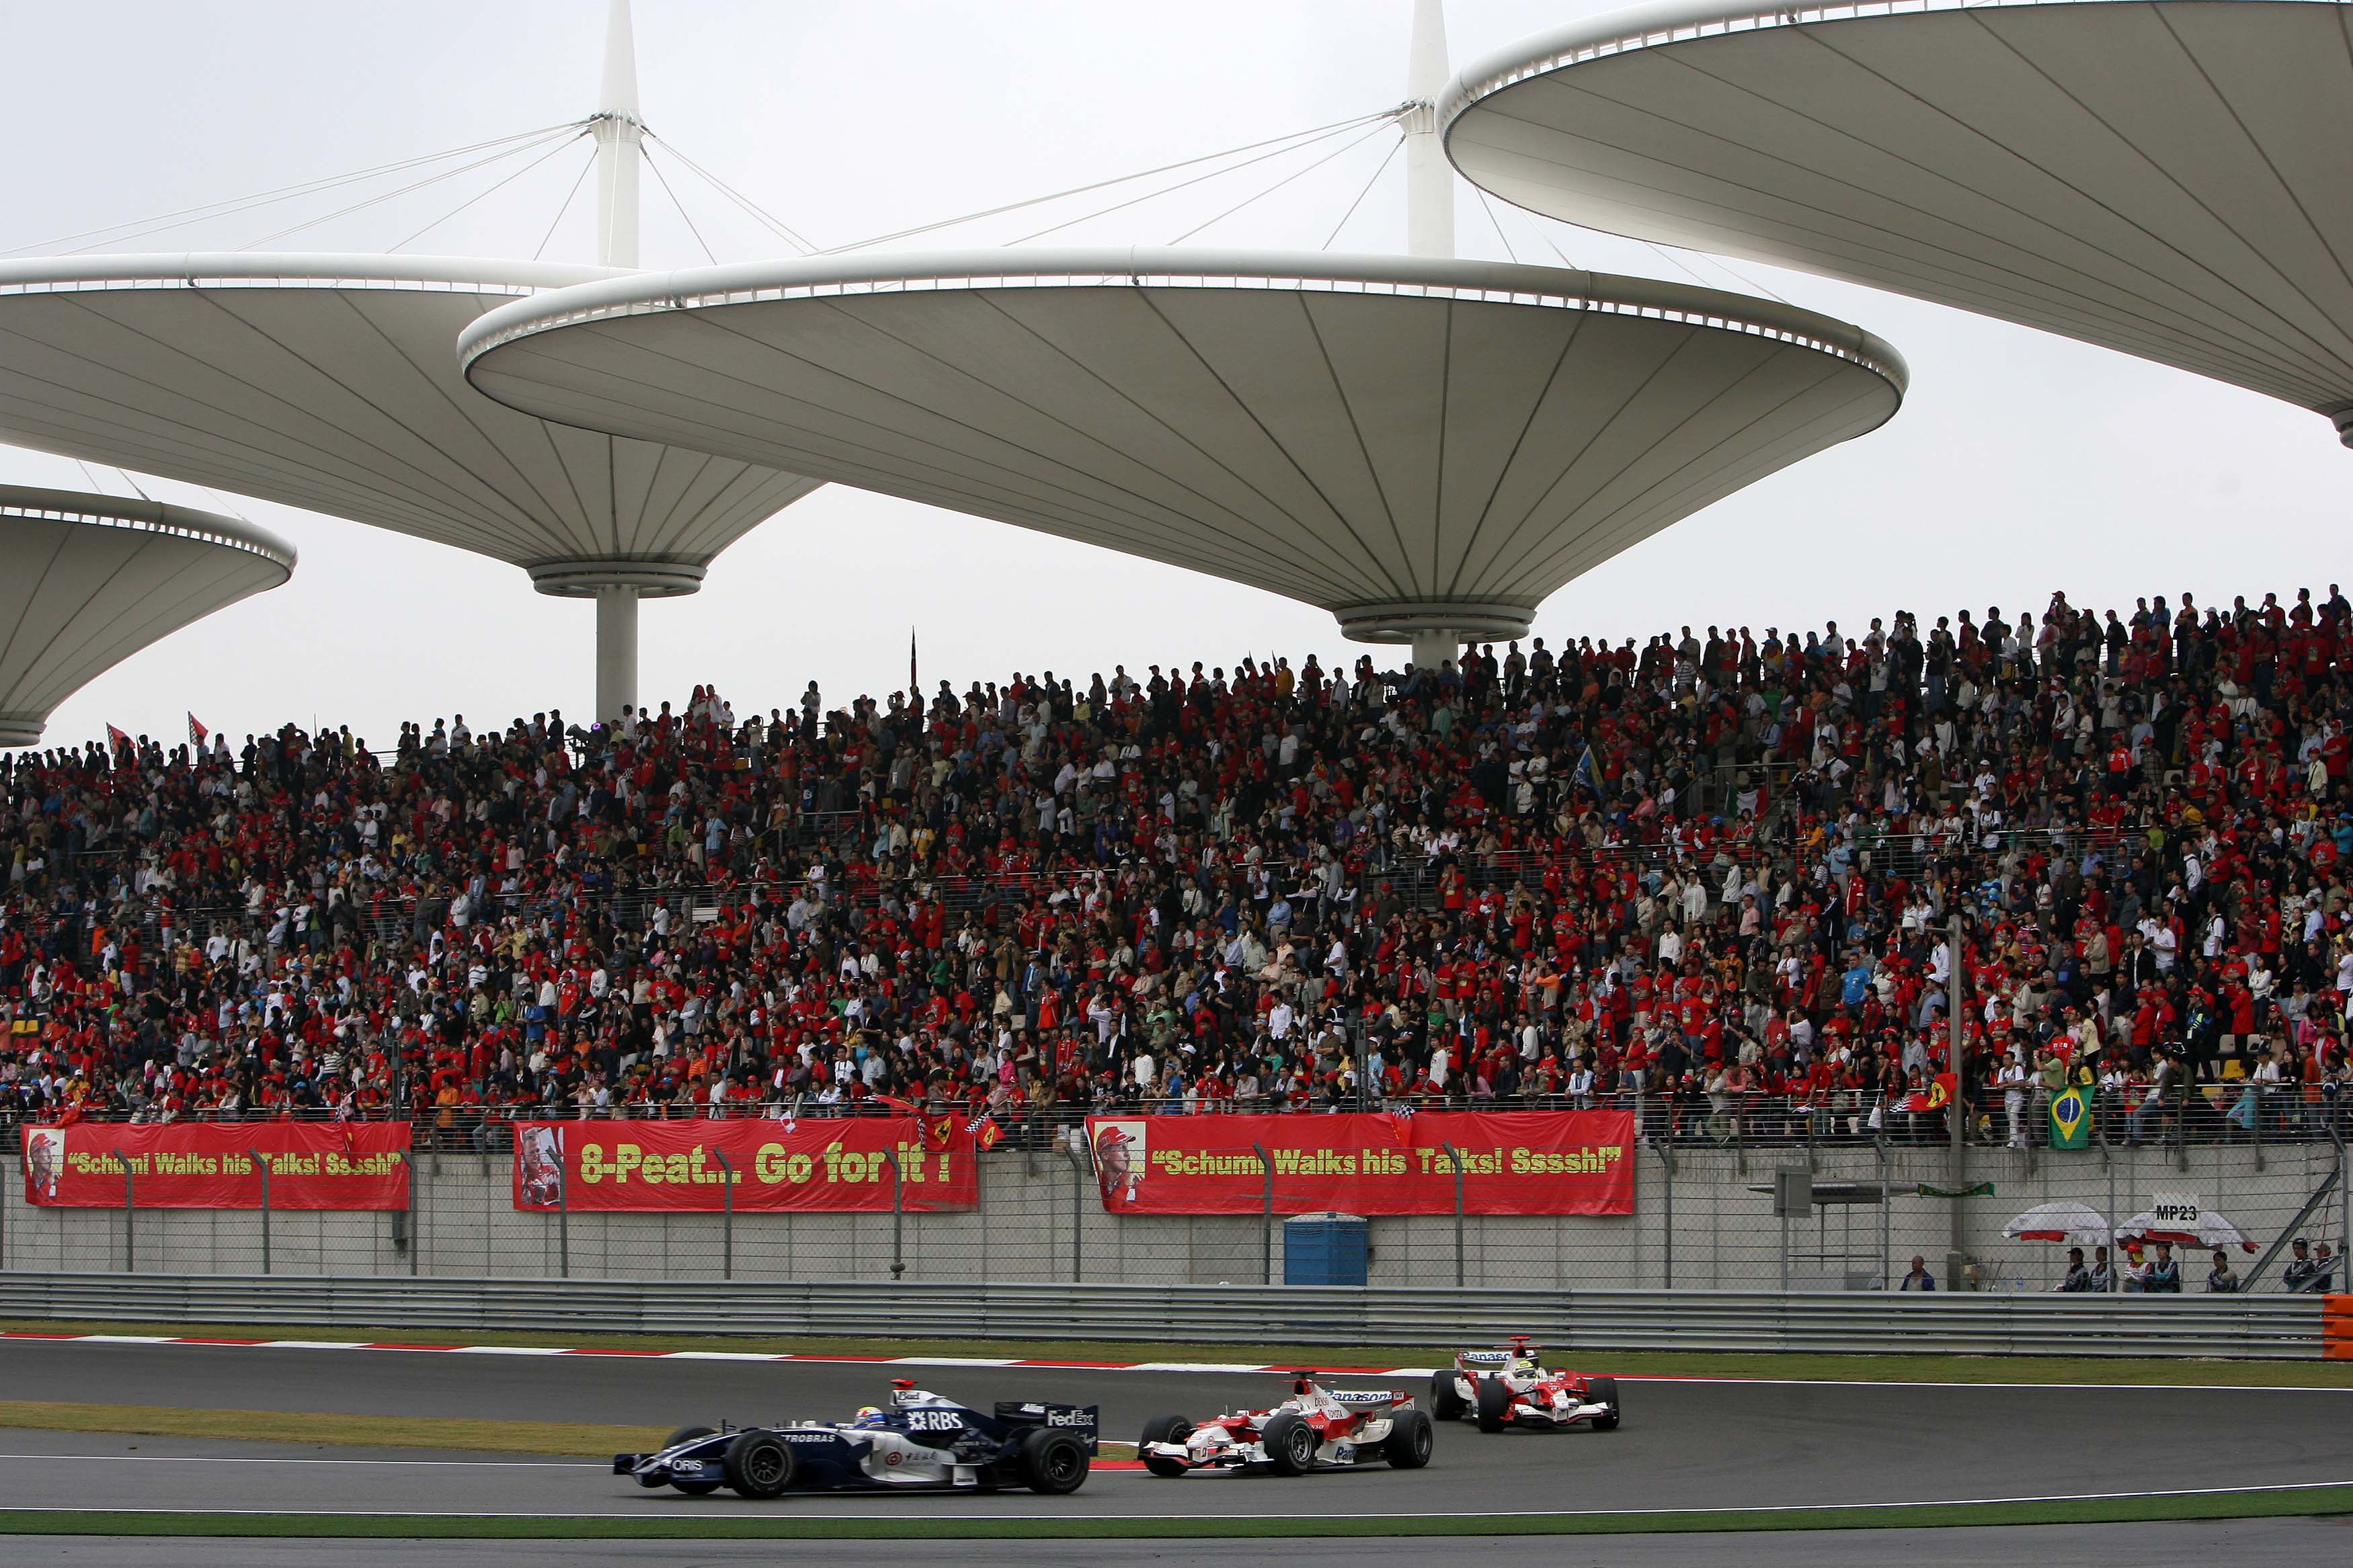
(2212, 1230)
(2077, 1224)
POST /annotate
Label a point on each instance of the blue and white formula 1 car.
(921, 1443)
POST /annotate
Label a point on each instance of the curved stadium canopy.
(329, 383)
(86, 581)
(1421, 447)
(2172, 178)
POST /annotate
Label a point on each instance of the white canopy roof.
(329, 383)
(2173, 178)
(86, 581)
(1413, 444)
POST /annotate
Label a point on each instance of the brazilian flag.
(2070, 1118)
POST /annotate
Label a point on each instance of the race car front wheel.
(759, 1464)
(688, 1434)
(1291, 1444)
(1164, 1429)
(1053, 1462)
(1444, 1402)
(1603, 1390)
(1407, 1446)
(1494, 1404)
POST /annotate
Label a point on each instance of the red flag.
(1942, 1090)
(196, 733)
(116, 738)
(985, 1132)
(938, 1131)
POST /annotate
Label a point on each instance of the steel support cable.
(648, 154)
(1361, 195)
(490, 190)
(751, 208)
(1498, 223)
(1212, 174)
(162, 223)
(1314, 133)
(569, 197)
(410, 188)
(1287, 179)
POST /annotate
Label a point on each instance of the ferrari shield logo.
(2071, 1120)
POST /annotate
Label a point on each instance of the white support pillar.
(1429, 181)
(1433, 650)
(619, 133)
(617, 650)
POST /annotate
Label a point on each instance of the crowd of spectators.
(1713, 876)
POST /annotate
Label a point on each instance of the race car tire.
(1052, 1463)
(1407, 1446)
(759, 1464)
(1495, 1406)
(1603, 1390)
(1290, 1444)
(1444, 1402)
(1165, 1429)
(688, 1434)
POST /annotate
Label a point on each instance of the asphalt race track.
(2242, 1544)
(1684, 1444)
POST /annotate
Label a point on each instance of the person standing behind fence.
(2220, 1280)
(2164, 1277)
(1919, 1278)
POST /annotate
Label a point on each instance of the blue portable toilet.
(1326, 1249)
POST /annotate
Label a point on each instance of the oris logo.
(687, 1467)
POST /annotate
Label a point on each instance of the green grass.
(570, 1439)
(904, 1525)
(1954, 1369)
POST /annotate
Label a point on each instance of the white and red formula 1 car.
(1505, 1388)
(1317, 1429)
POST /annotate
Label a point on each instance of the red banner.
(1532, 1162)
(842, 1165)
(211, 1165)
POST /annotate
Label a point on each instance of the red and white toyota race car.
(1317, 1429)
(1505, 1388)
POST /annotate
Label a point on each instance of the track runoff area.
(1690, 1454)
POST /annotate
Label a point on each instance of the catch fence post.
(726, 1218)
(1266, 1218)
(898, 1217)
(2108, 1158)
(262, 1165)
(130, 1219)
(1454, 1156)
(1879, 1146)
(1078, 1211)
(2256, 1123)
(562, 1217)
(1667, 1241)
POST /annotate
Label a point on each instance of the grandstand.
(1706, 878)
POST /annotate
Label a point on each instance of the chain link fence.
(1703, 1218)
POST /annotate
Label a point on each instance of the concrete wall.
(1721, 1233)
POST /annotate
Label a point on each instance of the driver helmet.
(868, 1415)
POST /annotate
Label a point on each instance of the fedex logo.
(1070, 1418)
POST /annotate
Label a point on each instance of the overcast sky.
(2020, 462)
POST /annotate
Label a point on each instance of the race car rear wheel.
(688, 1434)
(1603, 1390)
(1407, 1446)
(759, 1464)
(1290, 1444)
(1444, 1402)
(1494, 1404)
(1164, 1429)
(1052, 1462)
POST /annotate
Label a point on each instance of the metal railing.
(2268, 1328)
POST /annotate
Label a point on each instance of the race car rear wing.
(1083, 1420)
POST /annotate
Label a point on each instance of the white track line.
(1215, 1369)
